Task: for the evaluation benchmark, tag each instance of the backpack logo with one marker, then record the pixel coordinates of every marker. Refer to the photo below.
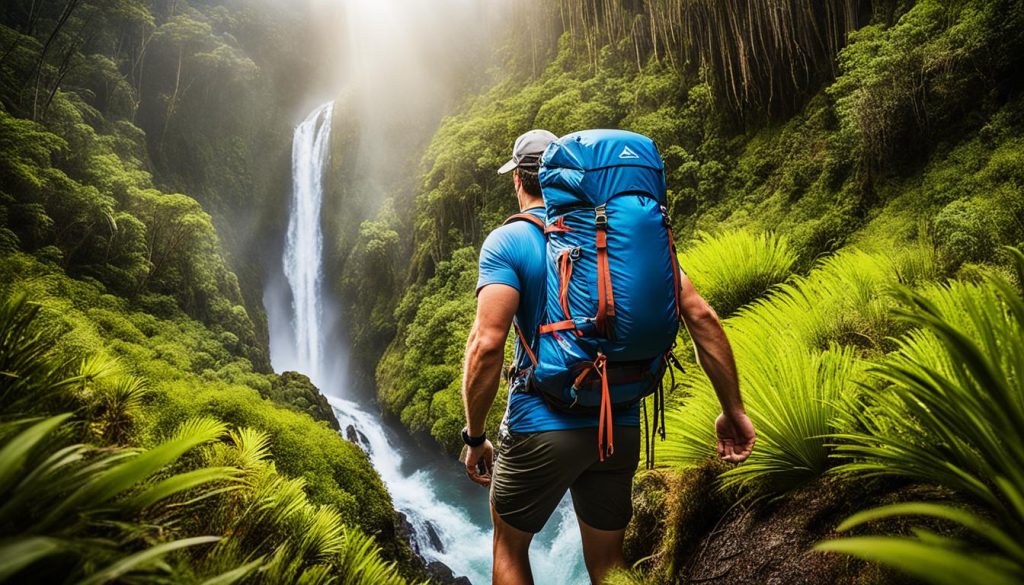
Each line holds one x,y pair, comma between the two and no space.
627,152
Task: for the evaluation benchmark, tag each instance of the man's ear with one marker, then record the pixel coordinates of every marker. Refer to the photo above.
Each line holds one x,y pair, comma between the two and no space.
517,182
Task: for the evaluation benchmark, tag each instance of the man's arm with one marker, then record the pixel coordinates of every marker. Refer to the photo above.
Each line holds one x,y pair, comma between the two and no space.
735,431
485,352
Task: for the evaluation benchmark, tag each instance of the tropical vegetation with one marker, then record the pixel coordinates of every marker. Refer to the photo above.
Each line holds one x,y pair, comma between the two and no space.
846,182
143,436
843,177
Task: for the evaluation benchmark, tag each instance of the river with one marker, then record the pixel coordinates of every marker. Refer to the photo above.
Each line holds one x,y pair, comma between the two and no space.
449,514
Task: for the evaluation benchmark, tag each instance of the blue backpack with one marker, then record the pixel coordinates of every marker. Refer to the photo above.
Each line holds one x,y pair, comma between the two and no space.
613,282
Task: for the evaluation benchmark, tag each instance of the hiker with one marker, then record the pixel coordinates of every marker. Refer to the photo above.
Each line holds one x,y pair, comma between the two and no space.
543,451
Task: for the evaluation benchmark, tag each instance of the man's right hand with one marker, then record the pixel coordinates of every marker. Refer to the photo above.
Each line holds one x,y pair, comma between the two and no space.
480,456
736,436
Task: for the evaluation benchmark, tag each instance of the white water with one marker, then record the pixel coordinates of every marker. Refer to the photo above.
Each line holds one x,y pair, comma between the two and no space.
433,494
303,253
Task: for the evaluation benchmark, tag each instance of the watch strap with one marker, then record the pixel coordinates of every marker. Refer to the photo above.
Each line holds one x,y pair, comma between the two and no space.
473,441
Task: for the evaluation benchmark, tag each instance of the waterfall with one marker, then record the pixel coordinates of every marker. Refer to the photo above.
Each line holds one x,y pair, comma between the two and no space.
303,253
448,514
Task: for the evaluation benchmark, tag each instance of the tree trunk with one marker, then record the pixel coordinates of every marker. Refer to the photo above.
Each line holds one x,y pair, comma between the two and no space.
69,8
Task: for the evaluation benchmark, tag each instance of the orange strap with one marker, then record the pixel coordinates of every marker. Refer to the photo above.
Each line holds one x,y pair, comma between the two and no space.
605,445
564,274
525,217
522,341
605,296
674,261
556,326
558,226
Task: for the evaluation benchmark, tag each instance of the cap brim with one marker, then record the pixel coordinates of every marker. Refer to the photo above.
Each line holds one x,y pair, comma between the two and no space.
507,167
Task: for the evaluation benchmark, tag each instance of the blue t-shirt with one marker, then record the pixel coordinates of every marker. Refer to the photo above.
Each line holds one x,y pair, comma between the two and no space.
514,255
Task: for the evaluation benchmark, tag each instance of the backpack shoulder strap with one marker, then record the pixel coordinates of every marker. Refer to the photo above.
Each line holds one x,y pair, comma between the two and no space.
539,223
525,217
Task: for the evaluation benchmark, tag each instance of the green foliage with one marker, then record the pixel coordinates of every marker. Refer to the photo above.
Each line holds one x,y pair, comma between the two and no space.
947,409
295,391
101,214
795,398
733,269
77,512
60,499
908,83
27,377
797,355
421,380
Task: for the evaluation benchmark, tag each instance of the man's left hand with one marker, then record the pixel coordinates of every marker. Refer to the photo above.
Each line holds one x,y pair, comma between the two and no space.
479,461
736,436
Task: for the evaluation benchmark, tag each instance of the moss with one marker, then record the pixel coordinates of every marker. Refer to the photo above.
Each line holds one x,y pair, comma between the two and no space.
294,390
673,511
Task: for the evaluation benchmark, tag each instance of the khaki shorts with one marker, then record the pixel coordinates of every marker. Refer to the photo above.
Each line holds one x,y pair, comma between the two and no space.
533,470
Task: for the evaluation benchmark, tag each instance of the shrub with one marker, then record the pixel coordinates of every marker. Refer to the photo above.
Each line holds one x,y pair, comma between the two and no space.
83,510
966,231
735,268
793,394
841,301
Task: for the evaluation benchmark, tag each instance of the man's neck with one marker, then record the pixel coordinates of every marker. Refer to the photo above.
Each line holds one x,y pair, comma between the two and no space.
531,203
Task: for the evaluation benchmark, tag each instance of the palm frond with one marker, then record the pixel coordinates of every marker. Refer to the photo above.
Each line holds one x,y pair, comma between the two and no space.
798,353
948,409
114,481
29,374
735,268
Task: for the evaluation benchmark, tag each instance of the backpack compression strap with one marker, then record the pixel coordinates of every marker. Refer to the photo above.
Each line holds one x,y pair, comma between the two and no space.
528,217
605,296
675,274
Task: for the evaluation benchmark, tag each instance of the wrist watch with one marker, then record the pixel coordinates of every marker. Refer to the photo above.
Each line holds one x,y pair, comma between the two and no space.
473,441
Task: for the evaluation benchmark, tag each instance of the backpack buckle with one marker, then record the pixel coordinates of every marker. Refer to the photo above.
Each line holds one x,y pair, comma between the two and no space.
601,216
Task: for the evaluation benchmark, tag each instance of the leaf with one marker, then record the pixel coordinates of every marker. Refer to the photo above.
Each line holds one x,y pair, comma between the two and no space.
114,481
182,482
936,565
22,552
965,518
16,451
229,577
140,559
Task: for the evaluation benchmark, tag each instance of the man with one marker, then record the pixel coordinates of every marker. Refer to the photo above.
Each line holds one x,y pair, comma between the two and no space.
544,452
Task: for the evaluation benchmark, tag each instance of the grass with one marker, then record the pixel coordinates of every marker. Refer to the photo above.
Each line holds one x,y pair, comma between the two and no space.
798,360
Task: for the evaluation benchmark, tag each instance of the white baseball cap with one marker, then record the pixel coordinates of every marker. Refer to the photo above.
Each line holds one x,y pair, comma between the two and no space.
528,149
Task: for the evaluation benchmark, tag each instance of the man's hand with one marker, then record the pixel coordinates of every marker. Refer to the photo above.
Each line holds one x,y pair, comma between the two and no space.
479,461
736,437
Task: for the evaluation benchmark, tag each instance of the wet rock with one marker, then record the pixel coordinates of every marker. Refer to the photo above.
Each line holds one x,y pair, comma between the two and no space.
435,539
442,574
356,436
408,532
439,573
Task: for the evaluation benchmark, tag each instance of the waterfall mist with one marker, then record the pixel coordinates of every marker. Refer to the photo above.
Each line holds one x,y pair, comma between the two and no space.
393,69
